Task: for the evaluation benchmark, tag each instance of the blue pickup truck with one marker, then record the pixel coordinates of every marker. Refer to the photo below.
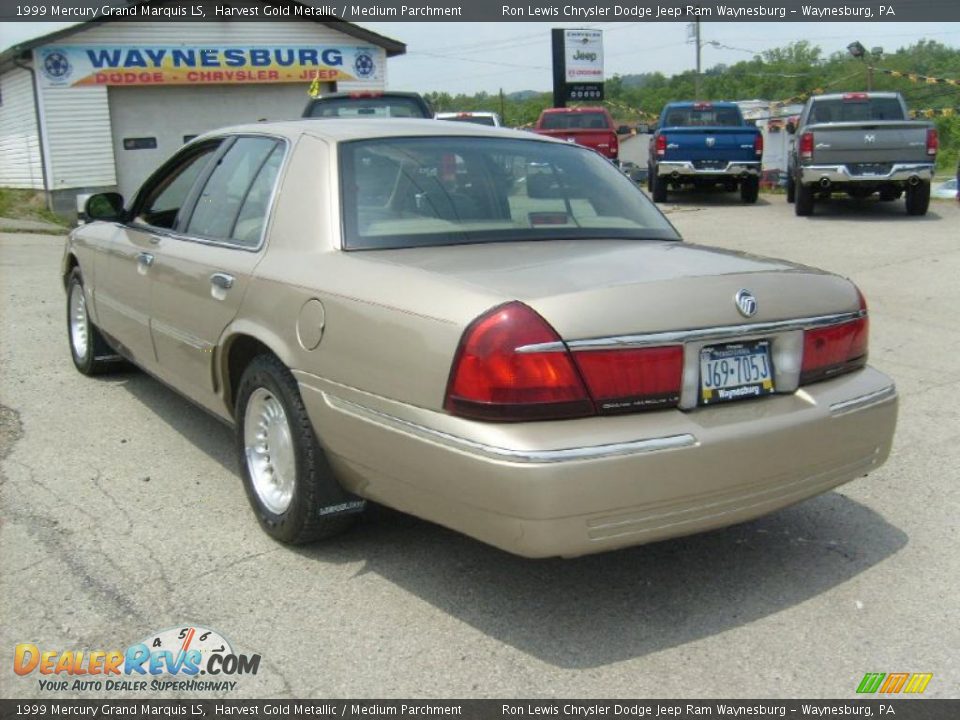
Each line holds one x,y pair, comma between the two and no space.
704,144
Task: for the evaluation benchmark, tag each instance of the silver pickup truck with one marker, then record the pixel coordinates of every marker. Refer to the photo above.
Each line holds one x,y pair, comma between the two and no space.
860,143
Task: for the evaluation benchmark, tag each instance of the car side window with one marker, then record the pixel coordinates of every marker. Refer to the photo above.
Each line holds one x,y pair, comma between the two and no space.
248,227
229,186
161,202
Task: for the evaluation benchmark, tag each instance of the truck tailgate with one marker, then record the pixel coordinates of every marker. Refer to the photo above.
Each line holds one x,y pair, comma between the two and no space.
872,142
601,140
705,146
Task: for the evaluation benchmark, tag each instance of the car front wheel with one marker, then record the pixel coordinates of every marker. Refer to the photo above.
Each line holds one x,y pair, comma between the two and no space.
286,474
90,352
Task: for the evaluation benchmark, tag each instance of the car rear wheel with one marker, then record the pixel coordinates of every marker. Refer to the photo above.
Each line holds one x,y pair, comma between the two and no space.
649,179
90,352
791,189
804,200
659,188
750,189
286,474
918,198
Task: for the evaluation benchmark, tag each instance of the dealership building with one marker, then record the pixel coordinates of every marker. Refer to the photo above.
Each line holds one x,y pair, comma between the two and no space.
99,105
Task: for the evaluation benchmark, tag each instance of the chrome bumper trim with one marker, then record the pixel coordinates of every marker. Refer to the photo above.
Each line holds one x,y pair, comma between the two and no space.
454,442
676,337
864,401
900,172
685,167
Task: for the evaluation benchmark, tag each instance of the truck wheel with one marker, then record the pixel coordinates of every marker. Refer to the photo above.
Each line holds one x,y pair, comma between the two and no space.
649,179
918,198
750,189
659,188
804,200
791,189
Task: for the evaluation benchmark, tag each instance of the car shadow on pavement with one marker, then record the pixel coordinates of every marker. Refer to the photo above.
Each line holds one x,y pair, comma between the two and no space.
600,609
595,610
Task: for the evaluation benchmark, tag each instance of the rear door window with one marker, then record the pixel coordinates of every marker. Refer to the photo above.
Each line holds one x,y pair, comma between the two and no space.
228,190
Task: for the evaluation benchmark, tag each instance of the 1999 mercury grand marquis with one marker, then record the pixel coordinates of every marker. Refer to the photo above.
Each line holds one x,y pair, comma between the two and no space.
488,329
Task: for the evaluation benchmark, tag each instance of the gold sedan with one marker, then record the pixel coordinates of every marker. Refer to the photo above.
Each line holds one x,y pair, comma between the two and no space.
491,330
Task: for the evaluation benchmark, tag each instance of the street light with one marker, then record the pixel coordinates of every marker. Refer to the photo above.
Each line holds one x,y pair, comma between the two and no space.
857,50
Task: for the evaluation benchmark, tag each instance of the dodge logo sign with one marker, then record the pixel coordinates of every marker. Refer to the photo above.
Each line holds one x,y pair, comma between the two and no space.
869,138
711,141
746,303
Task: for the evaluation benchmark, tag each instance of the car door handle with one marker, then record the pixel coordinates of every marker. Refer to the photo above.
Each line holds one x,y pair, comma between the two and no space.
222,280
145,259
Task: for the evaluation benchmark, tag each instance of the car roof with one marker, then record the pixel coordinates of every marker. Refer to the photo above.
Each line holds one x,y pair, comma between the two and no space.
466,113
342,130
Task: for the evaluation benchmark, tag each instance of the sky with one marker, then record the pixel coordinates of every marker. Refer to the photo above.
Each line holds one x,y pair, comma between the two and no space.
473,57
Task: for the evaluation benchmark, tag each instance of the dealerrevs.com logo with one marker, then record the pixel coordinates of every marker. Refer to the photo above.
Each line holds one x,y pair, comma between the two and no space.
185,659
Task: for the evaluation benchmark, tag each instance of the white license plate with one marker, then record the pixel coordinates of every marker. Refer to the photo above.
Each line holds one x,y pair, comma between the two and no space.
735,371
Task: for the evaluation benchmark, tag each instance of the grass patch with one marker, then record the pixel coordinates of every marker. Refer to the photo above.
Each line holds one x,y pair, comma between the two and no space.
28,205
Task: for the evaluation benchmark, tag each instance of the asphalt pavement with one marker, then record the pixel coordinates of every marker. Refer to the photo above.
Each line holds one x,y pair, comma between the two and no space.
122,515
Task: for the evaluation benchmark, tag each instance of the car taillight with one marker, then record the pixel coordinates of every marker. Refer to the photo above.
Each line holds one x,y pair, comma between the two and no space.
632,379
758,145
499,373
661,145
491,380
933,141
806,145
836,349
614,146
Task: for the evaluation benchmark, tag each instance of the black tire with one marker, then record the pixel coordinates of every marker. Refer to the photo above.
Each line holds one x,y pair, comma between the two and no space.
889,194
791,189
659,188
918,198
649,179
750,189
319,507
803,204
96,356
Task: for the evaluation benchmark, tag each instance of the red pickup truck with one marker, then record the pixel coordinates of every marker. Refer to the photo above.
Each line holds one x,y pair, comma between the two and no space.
591,127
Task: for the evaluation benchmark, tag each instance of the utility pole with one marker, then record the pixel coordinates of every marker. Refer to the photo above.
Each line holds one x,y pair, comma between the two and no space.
696,86
503,113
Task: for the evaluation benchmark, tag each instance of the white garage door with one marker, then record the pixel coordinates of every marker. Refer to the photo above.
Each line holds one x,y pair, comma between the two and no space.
150,123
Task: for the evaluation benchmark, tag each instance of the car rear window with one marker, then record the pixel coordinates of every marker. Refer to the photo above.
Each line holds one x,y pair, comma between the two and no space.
703,117
354,107
427,191
474,119
575,121
855,110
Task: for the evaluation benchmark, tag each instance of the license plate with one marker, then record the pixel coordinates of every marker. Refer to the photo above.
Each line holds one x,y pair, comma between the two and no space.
735,371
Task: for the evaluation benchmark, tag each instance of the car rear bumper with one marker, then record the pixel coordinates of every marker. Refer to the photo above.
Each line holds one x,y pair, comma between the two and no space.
685,168
583,486
900,172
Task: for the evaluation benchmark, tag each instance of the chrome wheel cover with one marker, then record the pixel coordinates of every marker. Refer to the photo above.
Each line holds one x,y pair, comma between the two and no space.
79,338
268,446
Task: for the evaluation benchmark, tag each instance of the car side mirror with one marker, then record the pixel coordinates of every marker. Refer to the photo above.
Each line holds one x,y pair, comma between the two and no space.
791,127
104,206
623,130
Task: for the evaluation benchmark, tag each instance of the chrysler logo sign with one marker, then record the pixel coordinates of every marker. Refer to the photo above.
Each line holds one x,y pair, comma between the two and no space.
746,303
